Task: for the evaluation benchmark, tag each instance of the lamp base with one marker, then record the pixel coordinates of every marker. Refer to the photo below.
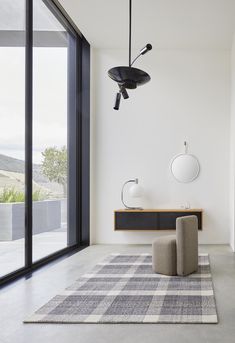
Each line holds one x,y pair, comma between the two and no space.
133,208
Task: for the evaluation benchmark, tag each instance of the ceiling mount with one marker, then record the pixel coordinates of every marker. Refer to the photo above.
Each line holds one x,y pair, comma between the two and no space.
128,77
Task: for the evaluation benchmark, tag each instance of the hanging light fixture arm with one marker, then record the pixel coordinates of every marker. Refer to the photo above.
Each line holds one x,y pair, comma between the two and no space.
143,51
135,59
130,15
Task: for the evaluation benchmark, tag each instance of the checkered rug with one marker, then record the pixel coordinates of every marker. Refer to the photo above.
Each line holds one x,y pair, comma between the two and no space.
124,289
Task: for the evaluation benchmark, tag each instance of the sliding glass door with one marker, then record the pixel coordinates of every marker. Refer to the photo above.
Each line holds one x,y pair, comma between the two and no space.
44,64
12,135
50,127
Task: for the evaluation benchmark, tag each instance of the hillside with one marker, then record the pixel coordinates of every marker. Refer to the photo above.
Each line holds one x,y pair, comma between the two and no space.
15,165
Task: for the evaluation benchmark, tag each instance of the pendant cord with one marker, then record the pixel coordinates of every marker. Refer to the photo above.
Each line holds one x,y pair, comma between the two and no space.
130,10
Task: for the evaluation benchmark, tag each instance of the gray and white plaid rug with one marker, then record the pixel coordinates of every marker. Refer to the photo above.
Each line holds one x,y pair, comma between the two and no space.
124,289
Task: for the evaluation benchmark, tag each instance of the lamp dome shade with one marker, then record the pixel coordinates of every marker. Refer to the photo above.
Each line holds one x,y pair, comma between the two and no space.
136,191
128,77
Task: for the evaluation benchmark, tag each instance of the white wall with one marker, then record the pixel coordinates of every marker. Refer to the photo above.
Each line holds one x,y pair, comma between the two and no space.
188,98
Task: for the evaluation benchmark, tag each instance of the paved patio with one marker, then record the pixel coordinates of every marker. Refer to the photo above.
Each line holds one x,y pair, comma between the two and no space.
12,252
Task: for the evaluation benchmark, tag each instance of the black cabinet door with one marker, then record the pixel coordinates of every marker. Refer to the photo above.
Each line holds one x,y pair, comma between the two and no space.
167,220
135,221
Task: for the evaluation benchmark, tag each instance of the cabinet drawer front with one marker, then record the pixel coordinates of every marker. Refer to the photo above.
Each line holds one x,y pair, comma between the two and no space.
167,220
135,221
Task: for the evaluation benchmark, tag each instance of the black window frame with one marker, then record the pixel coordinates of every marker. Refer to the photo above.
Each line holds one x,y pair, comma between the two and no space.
79,145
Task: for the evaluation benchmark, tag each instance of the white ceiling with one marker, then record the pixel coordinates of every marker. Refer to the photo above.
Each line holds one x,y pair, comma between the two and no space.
177,24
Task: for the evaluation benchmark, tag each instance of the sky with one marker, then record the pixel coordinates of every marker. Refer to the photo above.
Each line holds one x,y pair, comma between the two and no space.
49,100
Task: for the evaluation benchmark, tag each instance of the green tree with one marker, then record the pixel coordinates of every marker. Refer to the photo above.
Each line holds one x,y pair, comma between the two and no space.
54,166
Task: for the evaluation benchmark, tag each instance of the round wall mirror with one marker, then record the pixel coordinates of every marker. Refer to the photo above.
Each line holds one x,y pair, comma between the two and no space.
185,168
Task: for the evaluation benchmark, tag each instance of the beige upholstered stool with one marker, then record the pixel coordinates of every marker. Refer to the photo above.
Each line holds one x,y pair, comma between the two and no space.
164,255
177,255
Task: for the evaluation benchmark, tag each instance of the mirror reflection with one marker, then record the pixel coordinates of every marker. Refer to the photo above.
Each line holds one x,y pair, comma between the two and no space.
185,168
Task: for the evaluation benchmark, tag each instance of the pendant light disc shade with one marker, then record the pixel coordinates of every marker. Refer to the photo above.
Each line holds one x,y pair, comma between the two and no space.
128,77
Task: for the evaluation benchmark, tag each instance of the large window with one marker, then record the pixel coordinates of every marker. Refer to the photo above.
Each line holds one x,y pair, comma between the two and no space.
12,138
50,127
44,135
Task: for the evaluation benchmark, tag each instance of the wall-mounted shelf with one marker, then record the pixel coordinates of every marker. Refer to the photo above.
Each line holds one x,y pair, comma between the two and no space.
152,219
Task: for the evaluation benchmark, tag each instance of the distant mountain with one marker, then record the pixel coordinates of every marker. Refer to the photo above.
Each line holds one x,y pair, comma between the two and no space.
15,165
11,164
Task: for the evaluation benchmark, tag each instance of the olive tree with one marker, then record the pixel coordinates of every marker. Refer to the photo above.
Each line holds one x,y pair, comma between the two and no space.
54,166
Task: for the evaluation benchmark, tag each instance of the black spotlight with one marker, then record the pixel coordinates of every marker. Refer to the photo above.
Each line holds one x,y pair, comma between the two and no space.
124,92
146,49
117,101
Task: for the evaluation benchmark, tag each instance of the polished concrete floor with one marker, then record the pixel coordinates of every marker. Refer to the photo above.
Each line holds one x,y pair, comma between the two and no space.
23,297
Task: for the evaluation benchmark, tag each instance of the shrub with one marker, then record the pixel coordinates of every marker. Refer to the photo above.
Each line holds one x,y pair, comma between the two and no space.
9,195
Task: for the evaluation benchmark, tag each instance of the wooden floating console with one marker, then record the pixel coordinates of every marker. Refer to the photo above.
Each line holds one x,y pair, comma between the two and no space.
152,219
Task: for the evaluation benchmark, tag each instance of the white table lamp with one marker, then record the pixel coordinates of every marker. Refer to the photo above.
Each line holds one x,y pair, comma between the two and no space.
136,191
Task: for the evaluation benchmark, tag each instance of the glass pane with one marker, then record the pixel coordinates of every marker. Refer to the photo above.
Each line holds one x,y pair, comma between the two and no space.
12,135
50,51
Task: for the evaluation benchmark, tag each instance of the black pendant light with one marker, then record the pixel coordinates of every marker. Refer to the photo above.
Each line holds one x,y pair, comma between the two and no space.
128,77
